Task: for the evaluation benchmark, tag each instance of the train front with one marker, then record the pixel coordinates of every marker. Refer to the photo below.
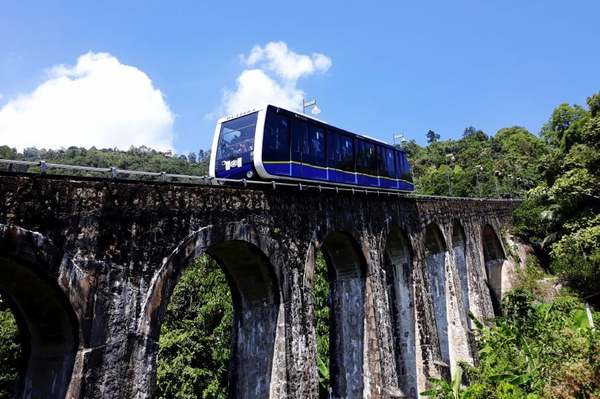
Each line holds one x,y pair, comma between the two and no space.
233,148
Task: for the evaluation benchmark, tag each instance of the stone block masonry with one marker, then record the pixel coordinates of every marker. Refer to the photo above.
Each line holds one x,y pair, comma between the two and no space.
89,266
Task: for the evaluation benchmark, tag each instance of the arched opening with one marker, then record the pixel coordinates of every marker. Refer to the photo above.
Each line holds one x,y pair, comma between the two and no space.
346,276
47,327
235,277
399,268
458,252
435,263
493,256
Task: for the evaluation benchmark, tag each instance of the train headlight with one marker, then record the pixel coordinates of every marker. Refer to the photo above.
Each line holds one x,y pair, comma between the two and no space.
249,174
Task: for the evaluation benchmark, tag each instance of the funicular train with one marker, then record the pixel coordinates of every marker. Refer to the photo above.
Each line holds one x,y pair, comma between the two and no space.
276,144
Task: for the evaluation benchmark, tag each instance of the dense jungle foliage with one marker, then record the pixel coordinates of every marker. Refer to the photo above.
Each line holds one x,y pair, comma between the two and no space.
478,165
535,350
321,300
136,158
195,337
561,214
10,349
540,347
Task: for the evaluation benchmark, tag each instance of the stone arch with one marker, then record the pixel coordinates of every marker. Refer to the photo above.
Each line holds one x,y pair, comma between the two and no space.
255,294
347,270
435,264
493,256
399,275
459,249
29,270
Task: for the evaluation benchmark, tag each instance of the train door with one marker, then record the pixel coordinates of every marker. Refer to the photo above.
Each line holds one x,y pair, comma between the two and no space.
276,144
297,139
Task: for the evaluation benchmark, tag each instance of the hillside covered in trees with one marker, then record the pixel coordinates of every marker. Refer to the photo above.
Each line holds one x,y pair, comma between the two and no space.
541,347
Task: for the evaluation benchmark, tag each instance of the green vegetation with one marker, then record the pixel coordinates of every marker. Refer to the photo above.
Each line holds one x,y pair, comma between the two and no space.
10,350
560,216
477,165
136,158
195,337
535,350
321,303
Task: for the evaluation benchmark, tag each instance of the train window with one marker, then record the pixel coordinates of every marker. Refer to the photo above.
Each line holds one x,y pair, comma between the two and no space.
386,162
333,149
403,167
236,138
298,133
366,159
346,149
380,160
313,146
276,142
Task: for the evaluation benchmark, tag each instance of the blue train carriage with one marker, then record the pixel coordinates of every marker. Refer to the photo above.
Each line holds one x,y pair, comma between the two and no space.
276,144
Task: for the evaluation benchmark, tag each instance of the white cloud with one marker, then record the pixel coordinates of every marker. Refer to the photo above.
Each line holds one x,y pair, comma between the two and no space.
278,58
273,77
255,88
98,102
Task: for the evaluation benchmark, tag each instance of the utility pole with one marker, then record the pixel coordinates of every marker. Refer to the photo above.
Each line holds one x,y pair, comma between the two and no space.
496,174
478,168
451,158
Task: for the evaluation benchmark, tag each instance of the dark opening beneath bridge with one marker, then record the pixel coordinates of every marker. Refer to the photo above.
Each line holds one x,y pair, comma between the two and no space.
255,298
435,262
493,255
48,327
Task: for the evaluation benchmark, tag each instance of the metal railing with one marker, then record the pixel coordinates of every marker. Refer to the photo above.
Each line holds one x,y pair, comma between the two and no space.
114,173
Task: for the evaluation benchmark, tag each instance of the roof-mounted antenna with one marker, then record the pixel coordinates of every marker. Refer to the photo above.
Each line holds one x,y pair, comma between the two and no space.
401,139
310,104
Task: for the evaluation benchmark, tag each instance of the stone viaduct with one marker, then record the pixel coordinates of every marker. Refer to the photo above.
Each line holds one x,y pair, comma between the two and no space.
89,266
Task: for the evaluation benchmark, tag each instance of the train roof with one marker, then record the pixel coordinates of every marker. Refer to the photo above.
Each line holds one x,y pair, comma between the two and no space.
240,114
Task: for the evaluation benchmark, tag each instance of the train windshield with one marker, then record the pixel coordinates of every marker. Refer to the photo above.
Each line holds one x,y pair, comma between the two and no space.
236,139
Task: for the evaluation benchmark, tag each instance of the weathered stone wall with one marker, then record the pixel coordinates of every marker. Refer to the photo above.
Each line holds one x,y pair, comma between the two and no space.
108,254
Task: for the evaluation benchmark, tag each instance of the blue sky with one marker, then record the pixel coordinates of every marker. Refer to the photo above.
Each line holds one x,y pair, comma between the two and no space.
394,66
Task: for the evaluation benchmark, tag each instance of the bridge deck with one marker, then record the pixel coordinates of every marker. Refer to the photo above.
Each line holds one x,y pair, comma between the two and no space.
42,168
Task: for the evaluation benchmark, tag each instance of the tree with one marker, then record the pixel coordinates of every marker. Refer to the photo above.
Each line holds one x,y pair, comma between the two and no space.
135,158
195,337
321,320
10,350
432,136
514,151
565,126
535,350
560,216
473,133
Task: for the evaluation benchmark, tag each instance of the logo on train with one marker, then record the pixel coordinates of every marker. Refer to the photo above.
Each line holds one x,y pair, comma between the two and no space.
233,163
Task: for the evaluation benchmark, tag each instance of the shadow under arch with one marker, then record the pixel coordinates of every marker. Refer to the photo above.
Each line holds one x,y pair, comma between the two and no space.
435,263
459,249
28,272
398,263
493,256
255,296
347,271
